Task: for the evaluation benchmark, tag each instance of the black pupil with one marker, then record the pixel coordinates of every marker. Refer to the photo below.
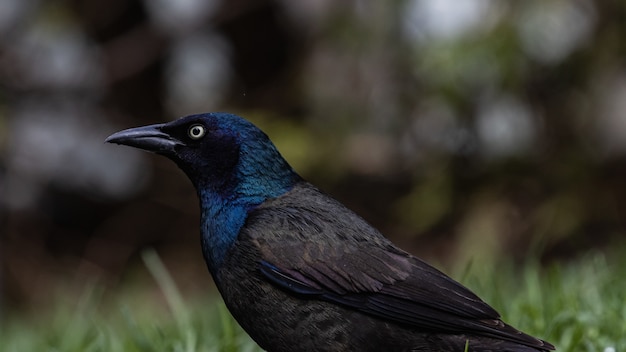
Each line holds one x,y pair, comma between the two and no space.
196,131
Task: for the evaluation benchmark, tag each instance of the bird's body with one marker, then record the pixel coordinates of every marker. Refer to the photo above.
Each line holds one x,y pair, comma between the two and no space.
301,272
314,262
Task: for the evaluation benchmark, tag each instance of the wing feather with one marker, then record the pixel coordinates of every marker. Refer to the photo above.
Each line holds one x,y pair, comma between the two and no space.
324,251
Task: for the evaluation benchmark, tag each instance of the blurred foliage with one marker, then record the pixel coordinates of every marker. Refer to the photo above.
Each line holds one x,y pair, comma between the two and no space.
578,306
479,130
130,320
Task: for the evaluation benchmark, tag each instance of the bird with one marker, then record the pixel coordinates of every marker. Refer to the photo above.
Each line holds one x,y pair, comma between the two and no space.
297,269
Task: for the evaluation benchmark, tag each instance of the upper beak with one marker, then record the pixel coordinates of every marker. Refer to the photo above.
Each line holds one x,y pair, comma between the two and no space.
150,138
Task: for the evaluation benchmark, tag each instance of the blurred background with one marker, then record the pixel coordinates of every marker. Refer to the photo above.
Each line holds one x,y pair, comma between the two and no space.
473,130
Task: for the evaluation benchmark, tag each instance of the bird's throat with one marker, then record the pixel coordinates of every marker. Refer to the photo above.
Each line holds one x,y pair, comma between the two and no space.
220,224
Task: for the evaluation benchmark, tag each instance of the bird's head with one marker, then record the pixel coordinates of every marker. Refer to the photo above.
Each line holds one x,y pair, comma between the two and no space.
223,155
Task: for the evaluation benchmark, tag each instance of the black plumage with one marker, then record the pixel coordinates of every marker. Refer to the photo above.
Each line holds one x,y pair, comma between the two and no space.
301,272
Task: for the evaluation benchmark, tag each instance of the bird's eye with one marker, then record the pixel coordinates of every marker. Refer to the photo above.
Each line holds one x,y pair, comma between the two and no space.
196,131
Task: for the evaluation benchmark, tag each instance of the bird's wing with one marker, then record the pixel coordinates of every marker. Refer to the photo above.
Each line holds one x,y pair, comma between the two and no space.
383,282
327,252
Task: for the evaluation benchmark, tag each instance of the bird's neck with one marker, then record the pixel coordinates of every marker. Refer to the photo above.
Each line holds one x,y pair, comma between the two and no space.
220,223
223,214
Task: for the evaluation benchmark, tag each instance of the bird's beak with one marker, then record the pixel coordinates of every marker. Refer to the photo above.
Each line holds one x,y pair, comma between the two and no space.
150,138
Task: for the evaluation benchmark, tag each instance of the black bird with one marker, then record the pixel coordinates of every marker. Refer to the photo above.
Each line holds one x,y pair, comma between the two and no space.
301,272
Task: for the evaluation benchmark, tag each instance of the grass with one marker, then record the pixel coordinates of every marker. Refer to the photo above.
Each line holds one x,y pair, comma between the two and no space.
578,306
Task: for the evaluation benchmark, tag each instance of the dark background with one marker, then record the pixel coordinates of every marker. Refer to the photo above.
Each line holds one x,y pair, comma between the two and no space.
473,130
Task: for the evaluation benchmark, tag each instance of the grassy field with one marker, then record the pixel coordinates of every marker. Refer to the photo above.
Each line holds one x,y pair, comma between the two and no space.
578,306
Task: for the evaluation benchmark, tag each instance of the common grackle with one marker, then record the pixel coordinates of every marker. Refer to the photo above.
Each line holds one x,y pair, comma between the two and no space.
301,272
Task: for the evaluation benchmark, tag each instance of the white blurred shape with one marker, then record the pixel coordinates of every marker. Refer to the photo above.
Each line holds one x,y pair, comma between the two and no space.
198,74
611,122
65,145
505,127
59,58
12,12
551,30
436,127
180,16
444,19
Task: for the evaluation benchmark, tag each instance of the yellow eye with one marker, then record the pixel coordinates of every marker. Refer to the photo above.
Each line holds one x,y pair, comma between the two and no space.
196,131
